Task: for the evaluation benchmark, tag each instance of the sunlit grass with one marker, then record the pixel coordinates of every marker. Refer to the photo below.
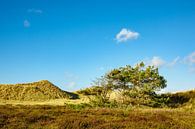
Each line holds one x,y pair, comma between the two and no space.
60,117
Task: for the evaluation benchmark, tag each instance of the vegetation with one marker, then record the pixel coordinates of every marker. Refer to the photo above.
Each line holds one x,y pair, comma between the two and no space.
62,117
85,115
138,78
135,102
37,91
136,85
180,99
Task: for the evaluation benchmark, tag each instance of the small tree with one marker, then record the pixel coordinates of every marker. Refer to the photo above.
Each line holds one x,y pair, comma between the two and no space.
139,78
102,90
139,84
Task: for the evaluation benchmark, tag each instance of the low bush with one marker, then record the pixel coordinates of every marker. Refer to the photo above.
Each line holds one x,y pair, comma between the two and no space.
78,106
62,117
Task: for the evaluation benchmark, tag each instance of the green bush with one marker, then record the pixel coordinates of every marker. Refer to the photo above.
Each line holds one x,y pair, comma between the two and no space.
78,106
94,90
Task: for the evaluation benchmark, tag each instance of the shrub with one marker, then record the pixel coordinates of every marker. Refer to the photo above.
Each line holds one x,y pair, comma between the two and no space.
78,106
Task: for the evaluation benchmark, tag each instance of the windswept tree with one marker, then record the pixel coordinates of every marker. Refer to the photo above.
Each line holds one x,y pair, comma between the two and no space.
139,78
137,85
102,89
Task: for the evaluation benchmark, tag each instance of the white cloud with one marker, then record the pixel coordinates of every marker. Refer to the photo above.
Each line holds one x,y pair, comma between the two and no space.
38,11
174,62
71,84
159,62
70,76
190,59
26,23
126,34
156,62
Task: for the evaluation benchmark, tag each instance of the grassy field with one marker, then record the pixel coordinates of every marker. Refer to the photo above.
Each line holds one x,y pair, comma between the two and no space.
53,102
42,105
62,117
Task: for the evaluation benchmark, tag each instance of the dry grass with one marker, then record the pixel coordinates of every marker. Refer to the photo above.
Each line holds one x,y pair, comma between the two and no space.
52,102
43,105
59,112
60,117
37,91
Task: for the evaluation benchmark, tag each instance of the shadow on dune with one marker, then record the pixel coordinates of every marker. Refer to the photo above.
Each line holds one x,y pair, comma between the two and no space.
72,95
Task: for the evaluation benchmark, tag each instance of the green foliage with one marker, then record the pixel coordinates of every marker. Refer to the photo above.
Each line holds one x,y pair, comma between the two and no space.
138,78
101,92
136,84
94,90
86,91
98,95
179,99
78,106
97,101
134,97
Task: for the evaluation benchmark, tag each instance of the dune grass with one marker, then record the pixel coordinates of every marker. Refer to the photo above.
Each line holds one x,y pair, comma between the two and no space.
37,91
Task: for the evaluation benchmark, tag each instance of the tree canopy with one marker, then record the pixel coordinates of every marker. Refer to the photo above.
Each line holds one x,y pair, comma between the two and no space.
138,78
136,85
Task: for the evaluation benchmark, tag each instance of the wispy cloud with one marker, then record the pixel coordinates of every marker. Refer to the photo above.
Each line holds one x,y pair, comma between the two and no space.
70,76
71,85
174,62
71,80
26,23
156,62
33,10
190,59
126,34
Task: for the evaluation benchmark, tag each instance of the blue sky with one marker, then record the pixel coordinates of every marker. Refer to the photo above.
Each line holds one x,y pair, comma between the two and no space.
71,42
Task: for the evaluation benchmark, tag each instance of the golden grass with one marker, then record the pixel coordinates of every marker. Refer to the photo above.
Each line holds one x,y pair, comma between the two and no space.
54,102
62,117
37,91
